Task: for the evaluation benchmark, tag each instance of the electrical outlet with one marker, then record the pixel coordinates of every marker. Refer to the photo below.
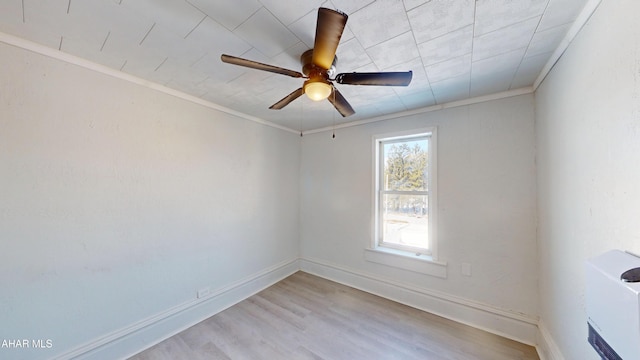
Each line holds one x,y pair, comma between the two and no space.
465,269
203,292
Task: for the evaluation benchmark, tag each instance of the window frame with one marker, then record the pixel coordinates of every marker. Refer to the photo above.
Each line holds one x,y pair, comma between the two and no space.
378,174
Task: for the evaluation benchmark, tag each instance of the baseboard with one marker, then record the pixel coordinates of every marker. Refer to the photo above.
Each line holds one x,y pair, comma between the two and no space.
547,348
515,326
128,341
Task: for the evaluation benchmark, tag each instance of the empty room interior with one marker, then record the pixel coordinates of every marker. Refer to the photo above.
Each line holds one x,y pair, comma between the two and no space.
146,185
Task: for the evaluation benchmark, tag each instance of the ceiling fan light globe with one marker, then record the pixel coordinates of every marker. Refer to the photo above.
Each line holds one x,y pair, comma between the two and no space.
317,90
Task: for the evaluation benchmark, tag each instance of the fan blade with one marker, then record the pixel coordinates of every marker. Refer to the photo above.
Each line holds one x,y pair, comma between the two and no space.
380,78
340,103
329,30
287,99
260,66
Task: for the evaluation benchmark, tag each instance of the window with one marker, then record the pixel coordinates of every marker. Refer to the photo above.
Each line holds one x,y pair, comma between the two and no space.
405,192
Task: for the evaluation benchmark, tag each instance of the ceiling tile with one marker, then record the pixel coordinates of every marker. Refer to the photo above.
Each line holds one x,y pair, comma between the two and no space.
504,40
166,71
451,89
439,17
266,33
351,55
111,38
418,93
216,39
249,102
388,105
95,38
83,36
374,92
78,47
116,52
229,15
172,45
547,41
350,6
82,17
142,62
560,12
452,68
12,12
121,47
419,81
411,4
495,74
179,17
184,79
347,34
489,84
211,65
38,11
394,51
448,46
34,34
423,98
305,28
38,23
508,61
372,28
492,15
255,55
370,67
529,70
259,86
290,58
289,12
368,98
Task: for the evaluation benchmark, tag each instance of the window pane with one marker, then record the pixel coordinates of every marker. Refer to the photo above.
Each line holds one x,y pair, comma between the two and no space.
405,220
405,165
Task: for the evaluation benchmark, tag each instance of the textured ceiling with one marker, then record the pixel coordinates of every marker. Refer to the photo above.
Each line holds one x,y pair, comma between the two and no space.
457,49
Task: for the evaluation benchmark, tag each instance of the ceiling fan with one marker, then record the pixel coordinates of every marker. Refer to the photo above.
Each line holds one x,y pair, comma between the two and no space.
318,67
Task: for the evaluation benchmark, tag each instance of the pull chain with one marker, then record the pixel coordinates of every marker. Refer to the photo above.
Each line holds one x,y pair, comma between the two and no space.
301,116
334,113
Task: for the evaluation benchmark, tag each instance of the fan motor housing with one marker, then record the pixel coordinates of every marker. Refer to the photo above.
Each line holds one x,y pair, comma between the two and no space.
311,70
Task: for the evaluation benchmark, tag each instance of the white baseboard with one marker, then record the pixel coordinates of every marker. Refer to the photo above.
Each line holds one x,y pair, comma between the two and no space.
515,326
547,348
128,341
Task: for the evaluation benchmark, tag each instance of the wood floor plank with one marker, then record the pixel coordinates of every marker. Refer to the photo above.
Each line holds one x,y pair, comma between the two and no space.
309,318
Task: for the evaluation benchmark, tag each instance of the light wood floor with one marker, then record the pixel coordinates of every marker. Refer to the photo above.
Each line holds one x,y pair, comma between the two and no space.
307,317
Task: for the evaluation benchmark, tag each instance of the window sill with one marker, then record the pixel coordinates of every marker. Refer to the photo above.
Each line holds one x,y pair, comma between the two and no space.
422,264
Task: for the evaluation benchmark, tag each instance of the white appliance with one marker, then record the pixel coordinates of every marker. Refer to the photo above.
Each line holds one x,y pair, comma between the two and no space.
612,299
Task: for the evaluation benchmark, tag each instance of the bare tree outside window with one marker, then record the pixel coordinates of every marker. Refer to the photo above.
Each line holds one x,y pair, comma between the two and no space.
404,193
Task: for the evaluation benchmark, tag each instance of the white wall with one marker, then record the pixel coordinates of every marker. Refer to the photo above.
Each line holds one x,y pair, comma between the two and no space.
588,140
486,205
118,202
